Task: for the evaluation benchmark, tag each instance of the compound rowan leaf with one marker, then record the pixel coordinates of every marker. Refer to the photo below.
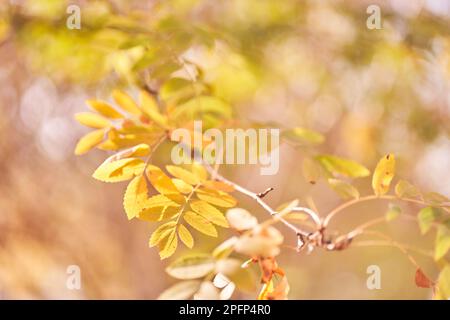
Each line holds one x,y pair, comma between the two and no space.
92,120
161,232
344,189
404,189
200,223
126,102
427,216
181,291
185,236
209,212
104,109
89,141
183,174
337,165
135,196
442,243
383,174
120,170
191,267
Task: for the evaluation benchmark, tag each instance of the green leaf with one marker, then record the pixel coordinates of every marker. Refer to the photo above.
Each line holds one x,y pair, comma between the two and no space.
426,218
404,189
191,267
393,212
442,243
337,165
444,283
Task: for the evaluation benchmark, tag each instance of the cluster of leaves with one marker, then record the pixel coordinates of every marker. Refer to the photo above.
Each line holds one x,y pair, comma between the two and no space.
217,275
187,195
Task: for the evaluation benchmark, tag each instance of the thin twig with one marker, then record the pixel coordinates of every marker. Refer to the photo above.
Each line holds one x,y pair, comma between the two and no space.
258,199
347,204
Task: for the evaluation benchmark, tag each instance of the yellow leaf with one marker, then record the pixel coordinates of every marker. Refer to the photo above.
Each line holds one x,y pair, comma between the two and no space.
150,108
159,201
104,109
265,290
89,141
444,283
383,174
218,185
161,232
199,171
140,150
183,174
168,245
120,170
218,198
126,102
160,181
200,223
153,214
135,196
185,236
182,186
92,120
209,212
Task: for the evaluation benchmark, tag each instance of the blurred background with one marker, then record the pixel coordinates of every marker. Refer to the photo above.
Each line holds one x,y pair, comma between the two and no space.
298,63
